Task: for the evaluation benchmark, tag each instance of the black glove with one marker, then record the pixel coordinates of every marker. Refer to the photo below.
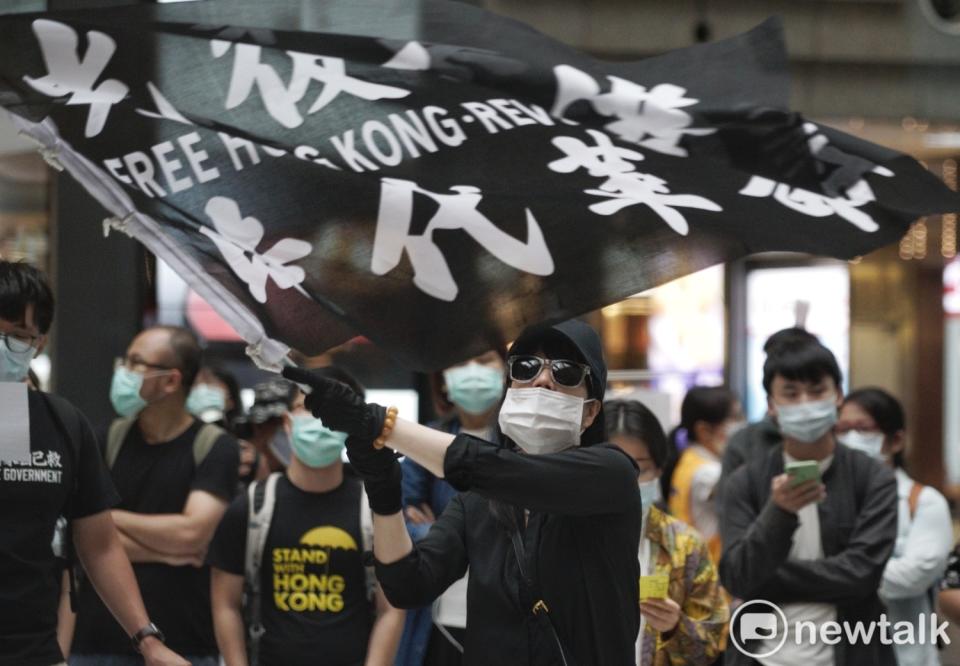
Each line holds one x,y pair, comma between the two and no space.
341,409
339,406
381,475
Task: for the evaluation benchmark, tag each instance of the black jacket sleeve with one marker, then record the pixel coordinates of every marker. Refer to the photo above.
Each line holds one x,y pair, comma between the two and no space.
436,562
600,479
856,571
755,543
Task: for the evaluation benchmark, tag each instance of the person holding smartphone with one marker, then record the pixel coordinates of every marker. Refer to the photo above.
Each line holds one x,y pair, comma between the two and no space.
809,525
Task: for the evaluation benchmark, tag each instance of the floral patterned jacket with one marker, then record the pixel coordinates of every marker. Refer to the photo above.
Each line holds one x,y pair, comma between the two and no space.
700,636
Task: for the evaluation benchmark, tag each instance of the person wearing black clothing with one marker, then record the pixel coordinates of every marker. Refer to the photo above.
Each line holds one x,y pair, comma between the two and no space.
61,474
817,547
171,501
548,522
316,604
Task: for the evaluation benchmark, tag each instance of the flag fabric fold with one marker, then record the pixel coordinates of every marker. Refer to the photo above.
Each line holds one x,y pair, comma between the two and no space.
430,175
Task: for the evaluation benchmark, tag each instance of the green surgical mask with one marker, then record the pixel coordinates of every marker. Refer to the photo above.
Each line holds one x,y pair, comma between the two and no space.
206,402
474,388
125,392
314,444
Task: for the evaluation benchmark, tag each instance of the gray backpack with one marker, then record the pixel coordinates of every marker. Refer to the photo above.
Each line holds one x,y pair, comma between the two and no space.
206,437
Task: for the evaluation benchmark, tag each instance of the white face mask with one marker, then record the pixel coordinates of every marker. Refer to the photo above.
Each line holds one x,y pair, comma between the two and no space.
807,421
870,443
540,420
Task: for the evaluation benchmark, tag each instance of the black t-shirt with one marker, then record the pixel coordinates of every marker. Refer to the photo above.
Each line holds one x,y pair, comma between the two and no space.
32,497
313,605
157,479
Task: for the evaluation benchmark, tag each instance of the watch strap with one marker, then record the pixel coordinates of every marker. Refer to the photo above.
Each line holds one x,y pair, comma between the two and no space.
147,631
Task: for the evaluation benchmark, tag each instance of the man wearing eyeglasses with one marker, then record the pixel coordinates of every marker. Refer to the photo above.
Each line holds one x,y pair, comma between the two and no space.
548,520
175,477
50,466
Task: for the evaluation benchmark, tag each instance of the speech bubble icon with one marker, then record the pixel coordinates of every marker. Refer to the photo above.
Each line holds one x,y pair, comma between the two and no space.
758,626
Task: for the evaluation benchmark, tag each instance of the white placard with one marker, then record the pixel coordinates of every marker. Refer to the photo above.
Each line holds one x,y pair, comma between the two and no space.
14,423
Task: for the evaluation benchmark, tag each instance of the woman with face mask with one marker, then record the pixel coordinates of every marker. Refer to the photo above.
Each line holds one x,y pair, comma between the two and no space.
215,396
871,421
708,417
547,518
467,399
688,624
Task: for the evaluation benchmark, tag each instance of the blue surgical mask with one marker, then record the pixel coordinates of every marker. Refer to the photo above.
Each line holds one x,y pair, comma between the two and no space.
649,495
474,388
125,392
314,444
206,402
14,365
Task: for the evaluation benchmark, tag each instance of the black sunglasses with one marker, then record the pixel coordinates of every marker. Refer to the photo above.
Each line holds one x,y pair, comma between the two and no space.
566,373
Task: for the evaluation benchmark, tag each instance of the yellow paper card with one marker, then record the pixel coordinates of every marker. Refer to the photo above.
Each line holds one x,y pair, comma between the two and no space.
655,586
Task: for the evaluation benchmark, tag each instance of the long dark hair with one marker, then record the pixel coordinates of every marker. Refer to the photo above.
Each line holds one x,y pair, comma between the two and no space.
634,419
885,410
710,404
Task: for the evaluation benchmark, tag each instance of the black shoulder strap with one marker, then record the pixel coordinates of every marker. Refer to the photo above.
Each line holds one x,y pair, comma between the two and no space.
531,589
57,413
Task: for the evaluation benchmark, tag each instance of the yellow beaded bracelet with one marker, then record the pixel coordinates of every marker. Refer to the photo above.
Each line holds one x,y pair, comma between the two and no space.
388,424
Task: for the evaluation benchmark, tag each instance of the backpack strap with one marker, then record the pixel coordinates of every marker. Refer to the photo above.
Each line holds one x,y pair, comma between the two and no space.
914,498
59,414
262,497
116,435
206,437
366,533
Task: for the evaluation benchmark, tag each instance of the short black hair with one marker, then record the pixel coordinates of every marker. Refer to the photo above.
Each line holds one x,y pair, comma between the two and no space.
20,285
799,360
711,404
787,336
885,410
187,354
633,418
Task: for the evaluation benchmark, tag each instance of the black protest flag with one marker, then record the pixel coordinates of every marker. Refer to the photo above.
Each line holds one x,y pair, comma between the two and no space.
430,175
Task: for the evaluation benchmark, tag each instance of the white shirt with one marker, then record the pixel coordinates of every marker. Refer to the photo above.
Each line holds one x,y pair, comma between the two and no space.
703,509
918,560
807,545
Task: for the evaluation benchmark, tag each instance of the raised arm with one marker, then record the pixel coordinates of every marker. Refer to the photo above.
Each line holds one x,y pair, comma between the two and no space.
605,477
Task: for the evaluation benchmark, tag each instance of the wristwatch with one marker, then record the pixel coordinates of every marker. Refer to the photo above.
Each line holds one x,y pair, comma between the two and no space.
149,630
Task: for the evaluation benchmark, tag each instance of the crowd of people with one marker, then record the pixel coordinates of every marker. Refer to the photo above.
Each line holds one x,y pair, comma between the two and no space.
535,521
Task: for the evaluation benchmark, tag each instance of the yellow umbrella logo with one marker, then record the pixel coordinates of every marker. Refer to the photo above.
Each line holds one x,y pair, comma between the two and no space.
329,537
